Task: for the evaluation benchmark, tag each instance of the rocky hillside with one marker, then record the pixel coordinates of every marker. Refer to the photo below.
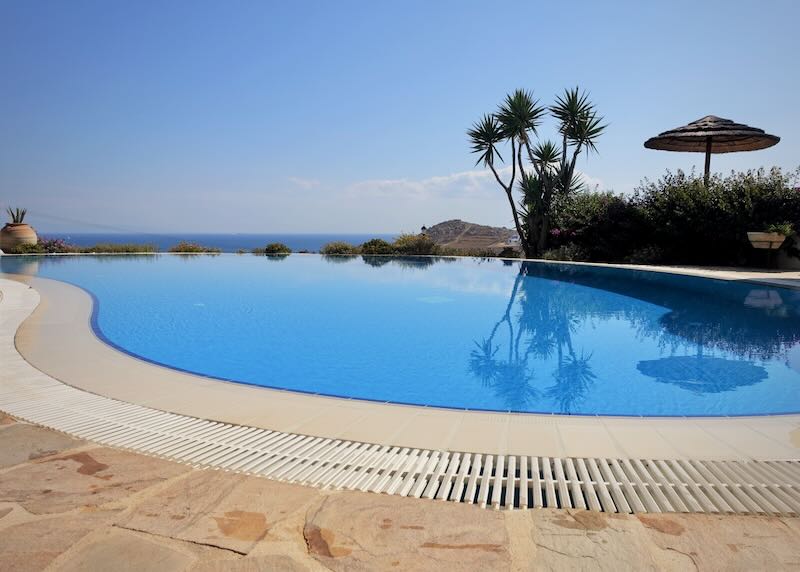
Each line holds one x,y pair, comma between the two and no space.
464,235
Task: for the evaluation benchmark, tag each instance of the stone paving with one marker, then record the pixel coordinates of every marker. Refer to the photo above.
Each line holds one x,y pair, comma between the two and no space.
71,505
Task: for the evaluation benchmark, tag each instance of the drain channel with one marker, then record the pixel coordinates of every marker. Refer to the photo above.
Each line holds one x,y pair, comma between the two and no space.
496,481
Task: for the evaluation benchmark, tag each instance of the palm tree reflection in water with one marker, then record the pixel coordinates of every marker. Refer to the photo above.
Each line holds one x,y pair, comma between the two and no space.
739,326
543,327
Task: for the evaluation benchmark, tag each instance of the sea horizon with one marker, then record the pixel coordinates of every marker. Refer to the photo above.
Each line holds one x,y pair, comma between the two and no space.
228,242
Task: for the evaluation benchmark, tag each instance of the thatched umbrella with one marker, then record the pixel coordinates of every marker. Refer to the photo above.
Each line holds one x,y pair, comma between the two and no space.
712,134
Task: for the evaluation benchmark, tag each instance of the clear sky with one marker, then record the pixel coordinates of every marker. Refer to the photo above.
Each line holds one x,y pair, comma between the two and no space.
342,116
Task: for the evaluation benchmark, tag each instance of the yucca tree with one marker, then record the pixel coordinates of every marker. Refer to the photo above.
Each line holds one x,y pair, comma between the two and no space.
543,171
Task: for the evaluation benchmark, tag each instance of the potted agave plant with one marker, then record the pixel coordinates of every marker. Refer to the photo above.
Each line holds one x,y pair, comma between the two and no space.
772,238
16,232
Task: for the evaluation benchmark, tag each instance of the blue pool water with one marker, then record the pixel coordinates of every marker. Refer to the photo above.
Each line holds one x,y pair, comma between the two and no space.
461,333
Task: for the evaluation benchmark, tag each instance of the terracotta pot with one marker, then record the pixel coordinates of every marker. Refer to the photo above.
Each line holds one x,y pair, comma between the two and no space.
14,234
766,240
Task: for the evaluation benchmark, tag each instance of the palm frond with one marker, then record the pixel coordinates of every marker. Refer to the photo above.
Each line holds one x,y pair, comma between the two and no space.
520,113
578,119
530,185
548,155
485,135
586,131
572,104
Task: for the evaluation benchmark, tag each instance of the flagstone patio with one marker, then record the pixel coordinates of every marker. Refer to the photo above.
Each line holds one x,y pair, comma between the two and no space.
70,505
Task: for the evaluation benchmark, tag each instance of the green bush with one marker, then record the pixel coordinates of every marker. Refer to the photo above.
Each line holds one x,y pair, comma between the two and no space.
679,220
784,228
695,224
274,248
645,255
570,252
185,247
415,244
37,248
111,248
60,246
377,246
338,247
604,226
46,246
508,252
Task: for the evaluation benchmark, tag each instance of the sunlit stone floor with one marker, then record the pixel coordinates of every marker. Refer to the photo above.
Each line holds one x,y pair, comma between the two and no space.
71,505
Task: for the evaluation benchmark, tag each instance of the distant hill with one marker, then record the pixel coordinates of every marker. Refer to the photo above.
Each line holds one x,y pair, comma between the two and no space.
464,235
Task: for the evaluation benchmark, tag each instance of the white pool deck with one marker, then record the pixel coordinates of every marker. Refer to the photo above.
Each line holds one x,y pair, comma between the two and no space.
47,323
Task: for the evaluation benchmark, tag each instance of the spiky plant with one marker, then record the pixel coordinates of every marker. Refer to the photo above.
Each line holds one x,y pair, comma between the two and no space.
544,171
17,215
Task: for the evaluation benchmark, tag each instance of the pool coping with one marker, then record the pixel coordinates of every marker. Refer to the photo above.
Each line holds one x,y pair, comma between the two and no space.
58,329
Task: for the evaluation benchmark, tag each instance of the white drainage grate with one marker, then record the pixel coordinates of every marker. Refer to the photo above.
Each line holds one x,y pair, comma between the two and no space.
498,481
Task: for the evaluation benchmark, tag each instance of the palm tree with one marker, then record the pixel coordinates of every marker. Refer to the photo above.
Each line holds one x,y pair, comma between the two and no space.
543,170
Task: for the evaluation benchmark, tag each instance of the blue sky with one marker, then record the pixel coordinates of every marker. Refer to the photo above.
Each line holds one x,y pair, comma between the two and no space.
351,116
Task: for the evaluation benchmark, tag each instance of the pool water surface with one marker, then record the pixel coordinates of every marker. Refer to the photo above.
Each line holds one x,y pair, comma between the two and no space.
446,332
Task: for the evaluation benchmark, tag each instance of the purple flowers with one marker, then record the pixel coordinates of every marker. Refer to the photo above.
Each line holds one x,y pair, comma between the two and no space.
54,245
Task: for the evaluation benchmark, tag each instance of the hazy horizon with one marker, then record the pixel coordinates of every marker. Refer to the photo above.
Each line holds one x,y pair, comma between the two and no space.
204,117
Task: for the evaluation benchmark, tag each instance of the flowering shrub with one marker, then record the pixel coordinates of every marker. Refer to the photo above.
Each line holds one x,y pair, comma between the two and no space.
45,246
60,246
56,245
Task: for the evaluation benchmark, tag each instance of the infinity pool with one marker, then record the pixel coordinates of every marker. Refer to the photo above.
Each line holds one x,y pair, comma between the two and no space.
458,333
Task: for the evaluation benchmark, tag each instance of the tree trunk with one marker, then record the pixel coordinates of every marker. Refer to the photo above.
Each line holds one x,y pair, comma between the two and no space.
543,233
530,244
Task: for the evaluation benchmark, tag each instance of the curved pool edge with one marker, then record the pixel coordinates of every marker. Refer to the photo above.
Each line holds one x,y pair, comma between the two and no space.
695,276
59,329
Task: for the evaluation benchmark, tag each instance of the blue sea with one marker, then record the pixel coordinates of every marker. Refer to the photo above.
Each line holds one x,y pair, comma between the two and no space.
227,242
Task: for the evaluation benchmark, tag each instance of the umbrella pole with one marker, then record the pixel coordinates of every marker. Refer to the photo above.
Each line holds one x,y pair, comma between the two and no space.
708,160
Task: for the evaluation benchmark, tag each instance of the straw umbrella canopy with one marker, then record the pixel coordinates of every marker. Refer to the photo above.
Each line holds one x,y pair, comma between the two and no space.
712,134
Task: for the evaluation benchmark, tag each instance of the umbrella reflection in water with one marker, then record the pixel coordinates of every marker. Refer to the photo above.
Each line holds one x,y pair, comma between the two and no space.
703,374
